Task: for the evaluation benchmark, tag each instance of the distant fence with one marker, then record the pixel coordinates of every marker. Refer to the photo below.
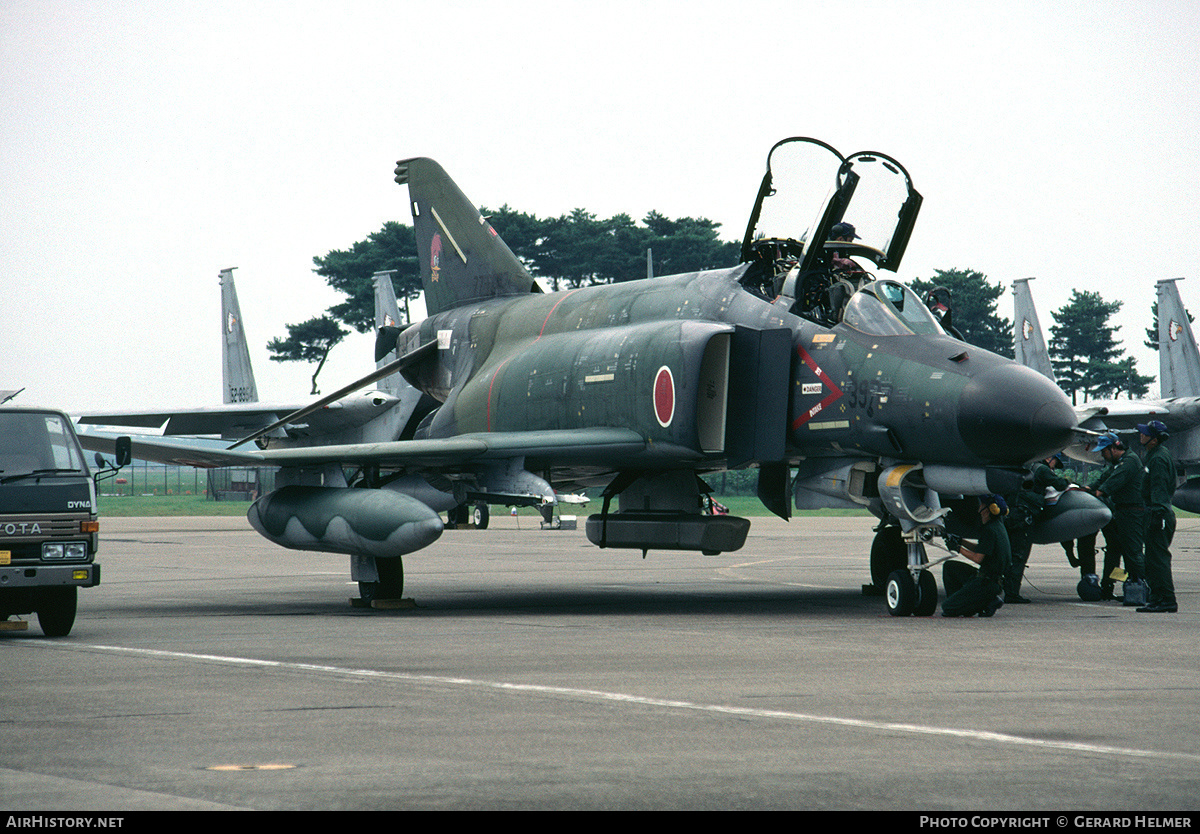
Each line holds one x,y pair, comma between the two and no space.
233,484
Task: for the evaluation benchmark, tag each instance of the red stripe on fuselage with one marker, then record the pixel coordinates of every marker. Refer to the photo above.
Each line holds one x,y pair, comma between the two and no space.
825,379
492,383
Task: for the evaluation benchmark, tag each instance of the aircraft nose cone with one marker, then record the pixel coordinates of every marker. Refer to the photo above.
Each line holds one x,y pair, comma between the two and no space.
1011,414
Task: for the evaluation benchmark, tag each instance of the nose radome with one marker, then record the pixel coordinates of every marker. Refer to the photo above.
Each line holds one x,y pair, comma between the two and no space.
1011,414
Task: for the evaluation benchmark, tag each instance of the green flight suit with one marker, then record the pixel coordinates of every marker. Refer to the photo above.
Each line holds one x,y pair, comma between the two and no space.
982,586
1087,544
1157,491
1122,488
1023,508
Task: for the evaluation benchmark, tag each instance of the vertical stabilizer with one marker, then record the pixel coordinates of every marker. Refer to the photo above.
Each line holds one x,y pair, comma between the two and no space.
387,308
1028,343
1178,359
387,315
462,257
388,322
237,375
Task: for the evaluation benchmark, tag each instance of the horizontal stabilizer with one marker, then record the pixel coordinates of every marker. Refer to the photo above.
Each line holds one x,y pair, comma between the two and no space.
387,370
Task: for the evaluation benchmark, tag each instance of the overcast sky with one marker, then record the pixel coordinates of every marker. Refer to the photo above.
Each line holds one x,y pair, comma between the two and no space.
146,146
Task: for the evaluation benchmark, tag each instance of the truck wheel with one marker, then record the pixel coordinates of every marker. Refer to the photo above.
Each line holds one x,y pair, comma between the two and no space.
56,610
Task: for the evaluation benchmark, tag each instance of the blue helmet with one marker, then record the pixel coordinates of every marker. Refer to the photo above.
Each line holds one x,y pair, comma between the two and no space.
1155,429
1109,438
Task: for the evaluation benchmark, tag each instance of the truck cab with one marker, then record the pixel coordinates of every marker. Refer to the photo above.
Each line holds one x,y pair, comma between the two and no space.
49,527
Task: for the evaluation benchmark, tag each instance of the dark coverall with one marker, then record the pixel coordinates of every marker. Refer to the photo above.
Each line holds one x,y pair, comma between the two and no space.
983,586
1023,507
1087,544
1157,490
1122,490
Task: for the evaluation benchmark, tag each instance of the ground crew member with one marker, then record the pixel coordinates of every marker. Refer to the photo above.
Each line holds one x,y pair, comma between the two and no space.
1121,489
1023,509
1086,545
981,592
1157,491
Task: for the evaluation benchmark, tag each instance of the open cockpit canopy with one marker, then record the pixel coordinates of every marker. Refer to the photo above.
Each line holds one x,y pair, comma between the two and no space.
808,193
809,187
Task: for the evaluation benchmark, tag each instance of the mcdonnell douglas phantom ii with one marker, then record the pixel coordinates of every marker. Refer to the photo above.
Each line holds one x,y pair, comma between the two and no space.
797,359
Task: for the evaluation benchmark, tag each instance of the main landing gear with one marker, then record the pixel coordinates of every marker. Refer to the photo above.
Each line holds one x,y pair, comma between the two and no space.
468,514
386,589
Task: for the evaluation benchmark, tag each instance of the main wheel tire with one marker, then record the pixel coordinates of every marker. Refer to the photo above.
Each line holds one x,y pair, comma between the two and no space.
56,610
390,584
927,595
479,515
901,593
458,517
888,553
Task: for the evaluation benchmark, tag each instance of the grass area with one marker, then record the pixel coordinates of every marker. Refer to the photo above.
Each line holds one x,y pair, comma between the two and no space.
124,506
115,506
121,506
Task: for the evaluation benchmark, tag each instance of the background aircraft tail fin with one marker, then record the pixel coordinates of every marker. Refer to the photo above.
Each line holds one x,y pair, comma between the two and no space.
237,375
1028,343
462,258
1178,359
387,320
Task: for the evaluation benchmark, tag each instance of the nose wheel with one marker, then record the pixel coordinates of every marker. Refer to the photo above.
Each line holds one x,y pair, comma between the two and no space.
906,596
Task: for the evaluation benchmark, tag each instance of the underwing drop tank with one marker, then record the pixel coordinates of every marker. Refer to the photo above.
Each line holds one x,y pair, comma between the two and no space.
361,522
1075,513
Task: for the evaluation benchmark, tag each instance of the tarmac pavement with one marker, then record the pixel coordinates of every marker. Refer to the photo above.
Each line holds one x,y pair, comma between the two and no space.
214,670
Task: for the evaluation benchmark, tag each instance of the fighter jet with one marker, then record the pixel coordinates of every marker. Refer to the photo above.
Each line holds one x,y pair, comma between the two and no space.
1179,384
798,357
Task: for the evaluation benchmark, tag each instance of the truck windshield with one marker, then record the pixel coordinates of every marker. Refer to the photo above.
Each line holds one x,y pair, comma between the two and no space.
37,441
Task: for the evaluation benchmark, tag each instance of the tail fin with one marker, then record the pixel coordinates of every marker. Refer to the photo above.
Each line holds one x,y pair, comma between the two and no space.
413,404
387,326
387,308
1178,359
1028,342
462,257
237,374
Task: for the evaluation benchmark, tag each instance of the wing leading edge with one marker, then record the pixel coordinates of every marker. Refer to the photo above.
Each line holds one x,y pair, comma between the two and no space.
599,446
